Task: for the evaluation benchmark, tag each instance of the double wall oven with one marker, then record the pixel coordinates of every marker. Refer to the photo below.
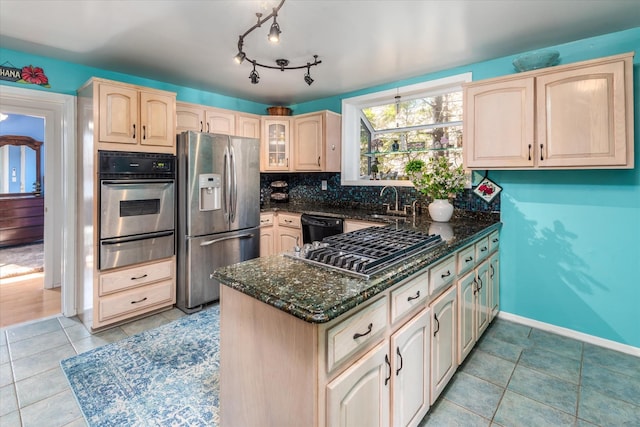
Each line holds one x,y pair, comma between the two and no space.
137,208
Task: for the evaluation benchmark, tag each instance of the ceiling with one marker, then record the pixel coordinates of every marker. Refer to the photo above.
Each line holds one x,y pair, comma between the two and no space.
361,43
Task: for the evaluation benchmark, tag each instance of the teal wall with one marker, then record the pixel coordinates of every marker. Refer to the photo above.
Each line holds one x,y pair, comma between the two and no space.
571,239
570,244
66,77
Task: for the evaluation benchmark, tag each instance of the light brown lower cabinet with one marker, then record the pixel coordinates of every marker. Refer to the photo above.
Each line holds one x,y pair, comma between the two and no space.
383,363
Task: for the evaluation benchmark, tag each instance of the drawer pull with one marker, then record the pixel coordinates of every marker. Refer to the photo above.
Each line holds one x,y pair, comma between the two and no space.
416,297
484,248
358,335
139,277
288,221
435,316
494,240
401,361
140,300
468,259
447,274
386,360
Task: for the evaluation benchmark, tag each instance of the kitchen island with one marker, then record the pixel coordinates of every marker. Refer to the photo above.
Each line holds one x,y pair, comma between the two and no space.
302,345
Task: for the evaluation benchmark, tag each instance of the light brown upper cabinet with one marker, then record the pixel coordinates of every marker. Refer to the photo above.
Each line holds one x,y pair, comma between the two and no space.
200,118
134,115
304,143
316,142
575,116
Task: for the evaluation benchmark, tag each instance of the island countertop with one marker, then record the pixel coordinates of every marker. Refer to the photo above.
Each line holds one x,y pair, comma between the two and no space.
317,295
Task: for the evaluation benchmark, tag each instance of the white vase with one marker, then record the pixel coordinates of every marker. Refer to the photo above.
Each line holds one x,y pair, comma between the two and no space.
440,210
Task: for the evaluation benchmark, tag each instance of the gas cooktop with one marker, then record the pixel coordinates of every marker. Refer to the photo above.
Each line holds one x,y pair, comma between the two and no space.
363,253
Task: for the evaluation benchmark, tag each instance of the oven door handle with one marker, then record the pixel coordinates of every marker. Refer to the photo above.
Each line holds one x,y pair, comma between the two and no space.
133,181
222,239
147,236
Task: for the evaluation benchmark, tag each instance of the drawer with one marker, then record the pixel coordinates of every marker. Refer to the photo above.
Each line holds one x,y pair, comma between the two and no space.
355,332
441,275
132,277
482,249
412,293
136,300
466,259
289,220
266,219
494,240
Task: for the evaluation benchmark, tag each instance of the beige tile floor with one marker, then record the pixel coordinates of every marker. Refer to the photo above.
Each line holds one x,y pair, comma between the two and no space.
515,376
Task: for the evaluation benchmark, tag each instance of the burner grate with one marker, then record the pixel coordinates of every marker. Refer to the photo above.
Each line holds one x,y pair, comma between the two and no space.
367,251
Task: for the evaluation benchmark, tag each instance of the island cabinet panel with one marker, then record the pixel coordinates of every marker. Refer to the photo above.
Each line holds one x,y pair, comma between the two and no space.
350,335
444,341
410,385
268,365
360,395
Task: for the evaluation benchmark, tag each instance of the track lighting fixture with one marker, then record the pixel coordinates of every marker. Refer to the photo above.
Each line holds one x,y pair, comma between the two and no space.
254,76
274,36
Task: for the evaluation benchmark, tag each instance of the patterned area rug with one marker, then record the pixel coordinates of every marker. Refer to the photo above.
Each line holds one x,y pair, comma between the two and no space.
167,376
19,260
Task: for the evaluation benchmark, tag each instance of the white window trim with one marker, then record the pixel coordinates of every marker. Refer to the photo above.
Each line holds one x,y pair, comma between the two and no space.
351,108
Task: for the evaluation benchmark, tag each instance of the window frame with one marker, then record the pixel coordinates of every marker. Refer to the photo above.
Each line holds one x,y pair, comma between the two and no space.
352,115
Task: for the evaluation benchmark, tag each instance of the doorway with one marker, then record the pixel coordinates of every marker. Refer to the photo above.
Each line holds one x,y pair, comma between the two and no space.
58,114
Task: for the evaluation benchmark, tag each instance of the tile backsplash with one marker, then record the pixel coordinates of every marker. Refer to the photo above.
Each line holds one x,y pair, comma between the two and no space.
306,187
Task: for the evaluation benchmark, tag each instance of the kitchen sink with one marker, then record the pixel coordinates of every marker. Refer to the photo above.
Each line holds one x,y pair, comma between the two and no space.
388,218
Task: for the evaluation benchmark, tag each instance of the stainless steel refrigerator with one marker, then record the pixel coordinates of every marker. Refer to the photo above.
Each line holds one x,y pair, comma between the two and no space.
218,199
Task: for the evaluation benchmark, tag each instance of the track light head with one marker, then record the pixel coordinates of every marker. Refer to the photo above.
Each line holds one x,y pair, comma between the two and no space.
274,32
254,76
307,78
239,58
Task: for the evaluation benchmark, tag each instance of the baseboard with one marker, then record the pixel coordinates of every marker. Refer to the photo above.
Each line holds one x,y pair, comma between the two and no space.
570,333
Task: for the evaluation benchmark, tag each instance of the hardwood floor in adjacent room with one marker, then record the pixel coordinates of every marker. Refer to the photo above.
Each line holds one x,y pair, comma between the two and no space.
23,298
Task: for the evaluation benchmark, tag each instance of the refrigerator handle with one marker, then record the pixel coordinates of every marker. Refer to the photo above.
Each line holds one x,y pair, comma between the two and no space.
227,183
222,239
234,187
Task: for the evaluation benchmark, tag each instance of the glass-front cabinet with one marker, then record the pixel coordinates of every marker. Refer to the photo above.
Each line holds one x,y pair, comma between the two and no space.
276,155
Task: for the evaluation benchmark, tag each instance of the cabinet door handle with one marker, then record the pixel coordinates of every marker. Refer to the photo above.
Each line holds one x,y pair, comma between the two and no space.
139,277
144,132
134,131
358,335
492,271
318,160
435,316
287,162
386,360
479,282
447,274
207,127
475,288
541,156
529,151
401,361
201,126
416,297
140,300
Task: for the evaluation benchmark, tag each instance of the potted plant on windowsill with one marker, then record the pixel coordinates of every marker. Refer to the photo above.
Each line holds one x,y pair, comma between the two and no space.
439,180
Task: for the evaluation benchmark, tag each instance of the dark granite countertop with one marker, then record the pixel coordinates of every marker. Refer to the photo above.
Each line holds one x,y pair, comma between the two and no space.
316,294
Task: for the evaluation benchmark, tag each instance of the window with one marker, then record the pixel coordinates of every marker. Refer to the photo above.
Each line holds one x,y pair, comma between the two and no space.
382,131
